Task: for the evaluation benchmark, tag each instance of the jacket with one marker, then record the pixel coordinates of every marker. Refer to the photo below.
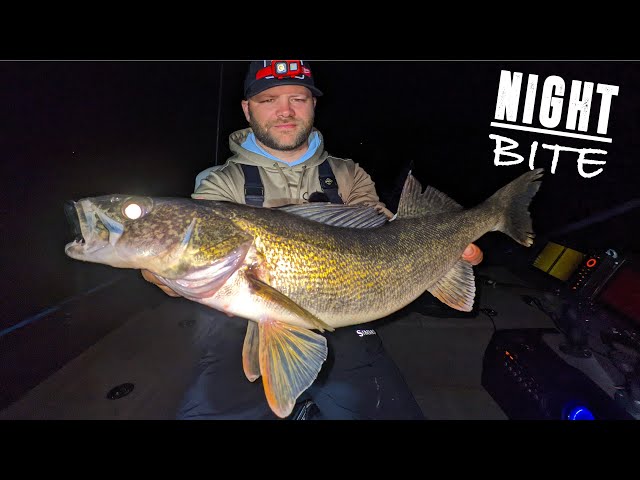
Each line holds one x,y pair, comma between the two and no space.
284,184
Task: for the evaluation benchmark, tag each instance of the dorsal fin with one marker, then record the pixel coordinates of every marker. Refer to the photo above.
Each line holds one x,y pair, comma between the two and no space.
414,203
351,216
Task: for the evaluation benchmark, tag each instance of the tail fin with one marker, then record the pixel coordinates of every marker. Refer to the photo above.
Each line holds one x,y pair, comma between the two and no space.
513,201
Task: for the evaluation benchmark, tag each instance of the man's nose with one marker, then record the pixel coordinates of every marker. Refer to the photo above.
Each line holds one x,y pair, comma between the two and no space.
284,109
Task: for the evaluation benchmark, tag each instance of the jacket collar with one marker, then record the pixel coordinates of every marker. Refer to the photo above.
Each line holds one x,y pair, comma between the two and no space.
242,155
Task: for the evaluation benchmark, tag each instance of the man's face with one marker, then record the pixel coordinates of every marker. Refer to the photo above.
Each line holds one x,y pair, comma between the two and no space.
281,117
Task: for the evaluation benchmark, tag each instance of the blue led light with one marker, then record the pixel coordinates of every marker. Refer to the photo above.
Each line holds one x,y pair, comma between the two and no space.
580,413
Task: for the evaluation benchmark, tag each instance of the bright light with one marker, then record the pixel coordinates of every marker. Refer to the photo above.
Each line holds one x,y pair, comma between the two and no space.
580,413
133,211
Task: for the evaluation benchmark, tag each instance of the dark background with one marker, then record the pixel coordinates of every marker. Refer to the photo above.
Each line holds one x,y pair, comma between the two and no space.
71,129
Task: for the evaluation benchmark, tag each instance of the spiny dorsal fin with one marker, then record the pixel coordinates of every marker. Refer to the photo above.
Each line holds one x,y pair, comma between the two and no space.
457,288
351,216
290,359
251,351
413,203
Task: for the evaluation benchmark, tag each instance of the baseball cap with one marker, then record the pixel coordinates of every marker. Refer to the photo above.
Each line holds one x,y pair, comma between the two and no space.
265,74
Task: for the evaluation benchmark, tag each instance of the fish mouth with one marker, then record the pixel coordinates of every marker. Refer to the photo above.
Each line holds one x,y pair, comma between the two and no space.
94,233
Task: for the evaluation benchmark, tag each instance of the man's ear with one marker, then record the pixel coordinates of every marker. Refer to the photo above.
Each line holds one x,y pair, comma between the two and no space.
245,108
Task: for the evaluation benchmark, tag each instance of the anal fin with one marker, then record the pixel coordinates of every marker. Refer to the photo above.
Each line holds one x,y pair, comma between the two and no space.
290,359
457,288
251,352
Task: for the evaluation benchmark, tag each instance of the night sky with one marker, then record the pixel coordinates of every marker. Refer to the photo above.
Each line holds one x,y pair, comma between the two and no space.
75,129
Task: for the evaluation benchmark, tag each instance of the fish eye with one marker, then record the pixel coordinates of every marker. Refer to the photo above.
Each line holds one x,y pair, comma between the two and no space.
132,208
132,211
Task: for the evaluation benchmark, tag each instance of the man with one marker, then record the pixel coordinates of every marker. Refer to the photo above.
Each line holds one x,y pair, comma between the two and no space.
281,160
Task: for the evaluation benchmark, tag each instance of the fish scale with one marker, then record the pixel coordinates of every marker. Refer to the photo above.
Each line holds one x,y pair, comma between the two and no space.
296,269
348,276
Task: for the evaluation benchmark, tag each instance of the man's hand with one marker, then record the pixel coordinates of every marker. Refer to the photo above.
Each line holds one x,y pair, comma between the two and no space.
150,277
380,209
472,254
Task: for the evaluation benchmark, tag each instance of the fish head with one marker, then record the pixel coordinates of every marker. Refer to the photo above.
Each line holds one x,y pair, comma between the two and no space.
172,237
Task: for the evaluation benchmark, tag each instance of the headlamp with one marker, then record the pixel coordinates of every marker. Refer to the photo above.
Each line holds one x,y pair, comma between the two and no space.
283,68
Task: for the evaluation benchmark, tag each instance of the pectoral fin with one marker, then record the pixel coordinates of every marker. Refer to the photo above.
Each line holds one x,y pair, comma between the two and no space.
278,301
457,288
251,352
290,359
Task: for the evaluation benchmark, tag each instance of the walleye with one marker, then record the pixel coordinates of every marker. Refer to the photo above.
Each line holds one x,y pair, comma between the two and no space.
295,269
